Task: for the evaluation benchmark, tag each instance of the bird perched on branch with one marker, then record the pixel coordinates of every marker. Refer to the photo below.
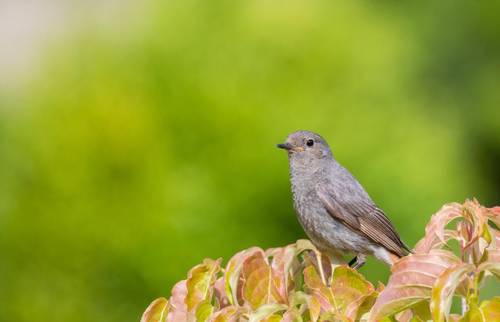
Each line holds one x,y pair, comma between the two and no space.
334,209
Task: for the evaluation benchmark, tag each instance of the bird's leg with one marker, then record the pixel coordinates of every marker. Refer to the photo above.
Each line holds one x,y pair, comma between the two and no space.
353,261
358,261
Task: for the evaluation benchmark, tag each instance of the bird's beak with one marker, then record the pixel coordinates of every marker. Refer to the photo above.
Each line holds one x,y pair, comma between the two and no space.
289,147
286,146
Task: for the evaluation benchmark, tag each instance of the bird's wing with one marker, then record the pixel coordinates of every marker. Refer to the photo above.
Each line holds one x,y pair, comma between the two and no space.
365,217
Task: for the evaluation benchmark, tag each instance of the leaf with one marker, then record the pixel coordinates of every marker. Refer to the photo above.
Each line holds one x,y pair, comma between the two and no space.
474,314
200,281
220,292
232,273
178,309
491,309
291,315
318,290
260,282
411,282
434,242
444,288
421,311
203,311
265,311
282,259
435,229
495,238
367,304
273,318
227,314
156,311
492,264
477,217
350,289
494,215
304,244
305,302
343,298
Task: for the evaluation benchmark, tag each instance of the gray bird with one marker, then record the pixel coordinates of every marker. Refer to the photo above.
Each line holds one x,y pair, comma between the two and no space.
335,211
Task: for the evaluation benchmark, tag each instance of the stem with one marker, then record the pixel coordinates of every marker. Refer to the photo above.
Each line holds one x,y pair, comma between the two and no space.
464,305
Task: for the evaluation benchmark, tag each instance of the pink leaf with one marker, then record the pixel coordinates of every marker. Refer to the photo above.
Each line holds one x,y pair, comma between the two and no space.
435,229
260,283
178,308
232,273
411,282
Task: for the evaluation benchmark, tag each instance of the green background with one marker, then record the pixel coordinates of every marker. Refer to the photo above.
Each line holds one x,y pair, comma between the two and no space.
146,141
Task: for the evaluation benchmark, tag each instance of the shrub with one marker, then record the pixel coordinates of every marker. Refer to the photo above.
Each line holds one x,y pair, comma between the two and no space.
298,283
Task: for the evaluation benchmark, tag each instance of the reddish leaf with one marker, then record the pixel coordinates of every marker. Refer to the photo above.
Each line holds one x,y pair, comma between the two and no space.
494,215
411,282
492,264
232,273
477,217
282,259
291,315
220,292
495,238
434,242
435,229
260,282
178,309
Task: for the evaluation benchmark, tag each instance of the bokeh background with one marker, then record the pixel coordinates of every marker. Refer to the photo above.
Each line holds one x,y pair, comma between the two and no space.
138,137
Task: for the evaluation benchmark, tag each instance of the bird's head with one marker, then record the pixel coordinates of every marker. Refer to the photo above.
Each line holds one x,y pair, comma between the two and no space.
306,145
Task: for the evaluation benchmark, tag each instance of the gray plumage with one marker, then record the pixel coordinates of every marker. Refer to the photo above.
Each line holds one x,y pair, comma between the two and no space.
335,211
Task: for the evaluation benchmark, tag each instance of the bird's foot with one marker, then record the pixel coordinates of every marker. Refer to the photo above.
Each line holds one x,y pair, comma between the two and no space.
358,261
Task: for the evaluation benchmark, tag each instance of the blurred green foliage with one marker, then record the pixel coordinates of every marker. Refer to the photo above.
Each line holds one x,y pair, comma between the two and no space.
147,142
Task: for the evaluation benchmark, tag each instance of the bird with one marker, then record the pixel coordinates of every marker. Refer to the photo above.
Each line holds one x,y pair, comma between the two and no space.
334,209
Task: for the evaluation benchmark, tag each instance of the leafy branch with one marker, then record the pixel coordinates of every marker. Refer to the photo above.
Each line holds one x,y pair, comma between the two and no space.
298,283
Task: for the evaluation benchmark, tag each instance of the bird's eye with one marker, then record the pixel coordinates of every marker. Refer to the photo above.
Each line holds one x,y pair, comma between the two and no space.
310,142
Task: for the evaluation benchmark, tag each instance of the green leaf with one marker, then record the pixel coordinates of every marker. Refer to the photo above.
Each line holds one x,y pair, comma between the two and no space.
421,311
157,311
227,314
265,311
367,304
200,281
350,289
491,309
444,288
318,290
203,311
474,314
